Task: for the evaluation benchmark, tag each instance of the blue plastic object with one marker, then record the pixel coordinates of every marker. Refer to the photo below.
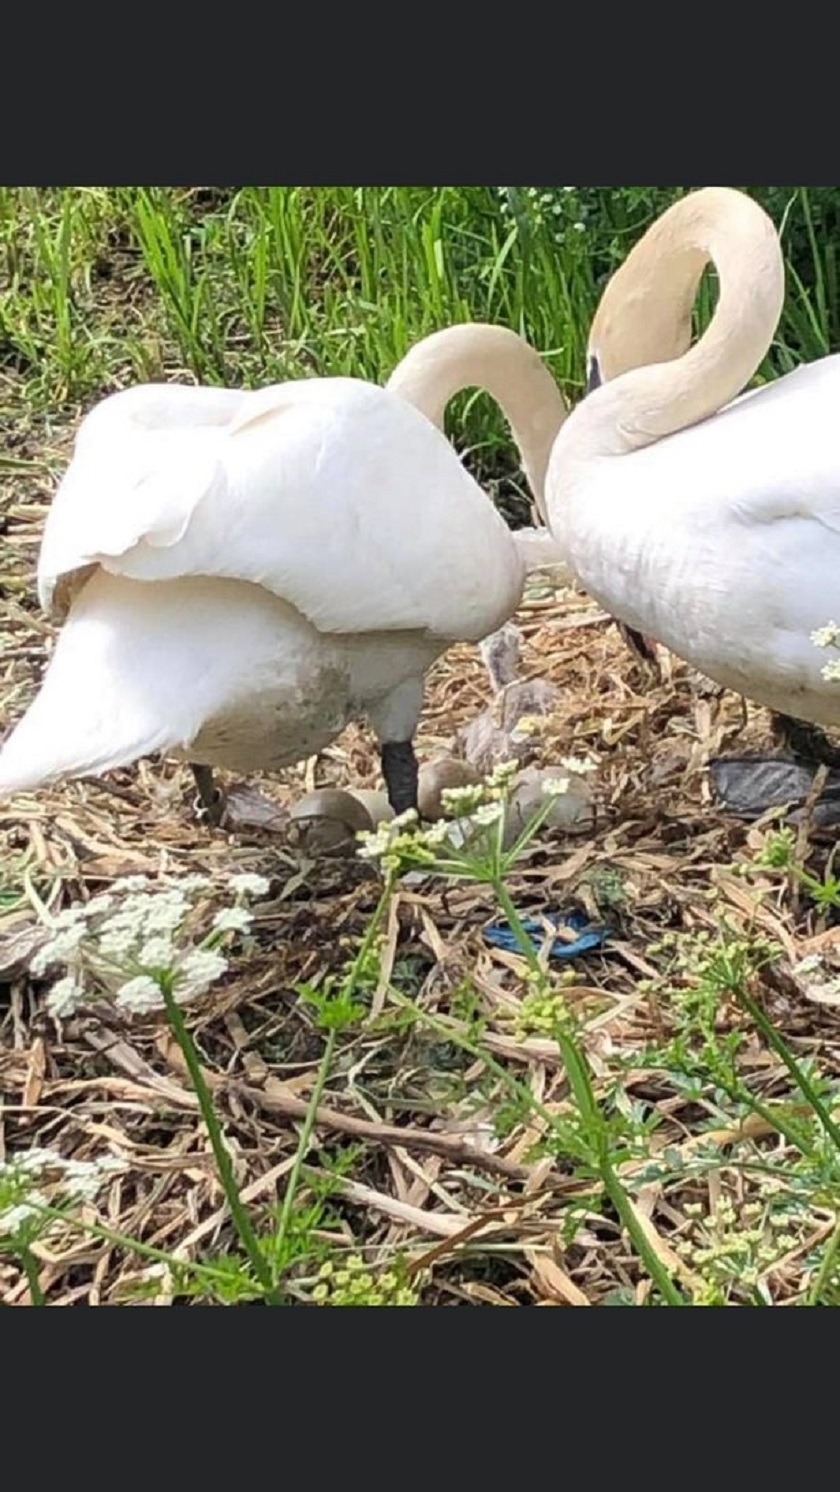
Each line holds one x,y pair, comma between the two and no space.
500,935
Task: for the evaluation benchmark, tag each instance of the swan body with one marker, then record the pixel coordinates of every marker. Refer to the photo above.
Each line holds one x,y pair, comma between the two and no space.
240,574
723,542
708,521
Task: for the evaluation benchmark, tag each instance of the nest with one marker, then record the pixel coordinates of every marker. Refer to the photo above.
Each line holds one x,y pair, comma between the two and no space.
479,1216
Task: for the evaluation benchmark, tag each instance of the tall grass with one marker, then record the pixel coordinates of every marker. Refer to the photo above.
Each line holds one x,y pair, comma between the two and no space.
256,284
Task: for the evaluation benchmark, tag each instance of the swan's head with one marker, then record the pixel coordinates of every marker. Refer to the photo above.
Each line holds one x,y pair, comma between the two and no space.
644,315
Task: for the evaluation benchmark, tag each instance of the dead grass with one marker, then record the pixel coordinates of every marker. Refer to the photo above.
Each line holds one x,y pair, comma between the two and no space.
429,1177
432,1173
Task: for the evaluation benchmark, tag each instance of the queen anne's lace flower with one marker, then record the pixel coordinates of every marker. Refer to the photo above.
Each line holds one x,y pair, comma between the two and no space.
58,950
826,637
12,1219
140,995
580,765
503,773
246,884
487,813
64,997
463,800
233,919
158,953
555,787
199,969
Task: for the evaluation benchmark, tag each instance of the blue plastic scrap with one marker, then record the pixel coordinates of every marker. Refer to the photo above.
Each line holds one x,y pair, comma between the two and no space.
500,935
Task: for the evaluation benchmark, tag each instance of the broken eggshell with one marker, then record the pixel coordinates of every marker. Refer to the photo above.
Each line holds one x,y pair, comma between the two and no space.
326,821
438,776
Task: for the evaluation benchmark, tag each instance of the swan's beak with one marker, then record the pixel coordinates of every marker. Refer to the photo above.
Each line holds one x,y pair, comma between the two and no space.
593,373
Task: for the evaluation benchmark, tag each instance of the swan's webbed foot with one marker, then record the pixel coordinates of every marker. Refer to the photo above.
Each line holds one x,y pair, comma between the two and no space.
399,768
807,742
209,806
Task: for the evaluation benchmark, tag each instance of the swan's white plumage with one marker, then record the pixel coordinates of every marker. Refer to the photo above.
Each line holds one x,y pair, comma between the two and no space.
240,574
311,488
723,539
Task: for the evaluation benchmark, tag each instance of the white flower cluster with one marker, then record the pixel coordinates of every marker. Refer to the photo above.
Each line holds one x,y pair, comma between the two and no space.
828,637
480,804
581,766
139,929
555,787
75,1180
528,726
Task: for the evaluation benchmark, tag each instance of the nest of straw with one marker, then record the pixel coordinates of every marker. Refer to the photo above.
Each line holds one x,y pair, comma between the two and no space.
428,1178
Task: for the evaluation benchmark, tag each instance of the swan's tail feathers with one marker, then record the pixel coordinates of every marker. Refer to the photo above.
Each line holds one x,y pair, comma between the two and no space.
50,743
109,696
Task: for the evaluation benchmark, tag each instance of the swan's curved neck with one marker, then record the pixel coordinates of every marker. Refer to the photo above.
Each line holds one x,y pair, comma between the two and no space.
495,359
716,225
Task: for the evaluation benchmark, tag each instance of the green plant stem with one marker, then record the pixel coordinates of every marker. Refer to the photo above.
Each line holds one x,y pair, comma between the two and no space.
347,992
122,1240
769,1031
827,1264
304,1139
529,953
579,1081
581,1084
30,1269
238,1213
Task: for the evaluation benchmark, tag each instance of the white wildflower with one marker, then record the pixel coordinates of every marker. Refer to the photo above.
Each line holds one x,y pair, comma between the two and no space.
192,883
488,813
404,820
59,950
64,997
246,884
36,1159
117,942
198,971
580,765
97,904
70,917
460,800
555,787
164,914
436,834
85,1176
826,637
158,953
831,672
131,884
373,843
12,1219
528,726
140,995
503,773
233,919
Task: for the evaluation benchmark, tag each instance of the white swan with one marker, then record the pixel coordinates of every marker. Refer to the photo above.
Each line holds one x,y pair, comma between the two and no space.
714,529
241,573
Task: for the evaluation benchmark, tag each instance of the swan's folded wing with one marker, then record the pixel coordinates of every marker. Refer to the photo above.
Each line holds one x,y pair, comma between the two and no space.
331,493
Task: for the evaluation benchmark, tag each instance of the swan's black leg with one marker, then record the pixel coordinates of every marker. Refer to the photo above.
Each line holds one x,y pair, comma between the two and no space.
399,768
806,741
638,644
210,803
